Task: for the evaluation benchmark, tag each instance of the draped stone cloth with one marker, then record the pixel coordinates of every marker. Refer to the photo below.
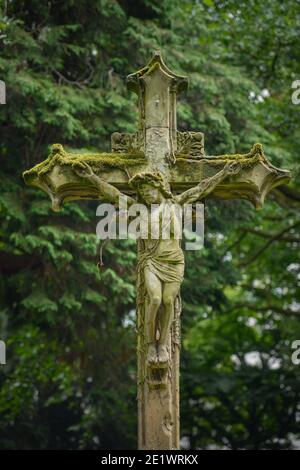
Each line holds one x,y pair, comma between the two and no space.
168,265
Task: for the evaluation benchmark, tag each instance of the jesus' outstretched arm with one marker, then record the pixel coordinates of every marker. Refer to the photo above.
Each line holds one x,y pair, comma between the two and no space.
106,190
208,185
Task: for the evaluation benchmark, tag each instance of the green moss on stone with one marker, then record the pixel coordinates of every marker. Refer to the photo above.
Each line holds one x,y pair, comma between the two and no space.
98,161
255,155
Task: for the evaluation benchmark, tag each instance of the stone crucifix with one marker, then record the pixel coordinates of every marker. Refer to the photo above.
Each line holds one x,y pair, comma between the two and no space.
157,165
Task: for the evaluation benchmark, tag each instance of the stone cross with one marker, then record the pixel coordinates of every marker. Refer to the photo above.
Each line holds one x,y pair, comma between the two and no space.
157,147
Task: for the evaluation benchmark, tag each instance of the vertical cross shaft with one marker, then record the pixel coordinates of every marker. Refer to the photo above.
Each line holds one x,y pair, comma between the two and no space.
158,391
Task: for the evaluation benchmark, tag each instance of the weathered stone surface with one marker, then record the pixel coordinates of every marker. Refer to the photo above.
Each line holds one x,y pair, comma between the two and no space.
190,144
127,143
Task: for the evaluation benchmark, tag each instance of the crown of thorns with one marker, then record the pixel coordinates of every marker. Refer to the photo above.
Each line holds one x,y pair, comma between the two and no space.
154,179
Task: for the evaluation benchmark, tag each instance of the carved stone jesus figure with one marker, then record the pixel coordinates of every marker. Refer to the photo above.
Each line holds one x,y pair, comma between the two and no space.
161,260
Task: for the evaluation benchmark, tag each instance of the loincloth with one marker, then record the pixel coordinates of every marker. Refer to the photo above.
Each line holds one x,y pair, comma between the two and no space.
168,267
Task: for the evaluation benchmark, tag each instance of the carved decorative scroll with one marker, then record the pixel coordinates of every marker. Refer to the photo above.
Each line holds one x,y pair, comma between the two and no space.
122,142
190,144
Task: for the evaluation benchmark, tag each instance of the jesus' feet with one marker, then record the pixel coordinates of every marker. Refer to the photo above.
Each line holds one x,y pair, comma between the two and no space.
152,354
163,355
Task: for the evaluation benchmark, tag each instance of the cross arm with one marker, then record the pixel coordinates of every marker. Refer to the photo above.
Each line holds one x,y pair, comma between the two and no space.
255,177
58,177
62,177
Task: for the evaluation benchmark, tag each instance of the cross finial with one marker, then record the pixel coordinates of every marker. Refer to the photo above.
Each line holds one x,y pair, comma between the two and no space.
157,88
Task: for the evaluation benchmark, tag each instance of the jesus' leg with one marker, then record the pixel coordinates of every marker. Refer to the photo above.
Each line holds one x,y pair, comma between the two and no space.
154,290
170,291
